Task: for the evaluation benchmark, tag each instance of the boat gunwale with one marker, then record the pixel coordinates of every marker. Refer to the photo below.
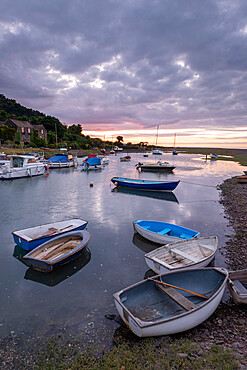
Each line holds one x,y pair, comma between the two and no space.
143,324
70,253
127,180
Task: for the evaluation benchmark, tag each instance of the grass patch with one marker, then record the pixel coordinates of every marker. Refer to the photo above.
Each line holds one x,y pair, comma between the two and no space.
149,353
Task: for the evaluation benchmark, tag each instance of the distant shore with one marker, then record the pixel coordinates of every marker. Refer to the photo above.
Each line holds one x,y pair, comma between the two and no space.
236,155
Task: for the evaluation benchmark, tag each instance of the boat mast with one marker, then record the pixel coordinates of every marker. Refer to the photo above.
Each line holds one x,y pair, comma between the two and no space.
157,135
174,140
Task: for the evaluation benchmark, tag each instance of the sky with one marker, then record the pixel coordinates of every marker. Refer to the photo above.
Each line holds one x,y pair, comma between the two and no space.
125,67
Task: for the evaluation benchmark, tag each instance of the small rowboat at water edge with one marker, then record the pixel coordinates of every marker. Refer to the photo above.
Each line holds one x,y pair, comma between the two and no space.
145,184
30,238
163,232
237,285
193,253
242,179
150,308
58,251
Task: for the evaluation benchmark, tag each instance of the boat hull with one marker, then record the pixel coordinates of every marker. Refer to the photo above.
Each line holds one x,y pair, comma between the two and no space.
194,253
60,164
176,234
179,322
9,173
48,265
23,238
242,179
145,184
236,288
157,168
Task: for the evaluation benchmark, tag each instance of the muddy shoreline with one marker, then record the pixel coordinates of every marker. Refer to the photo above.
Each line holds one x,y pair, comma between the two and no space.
226,328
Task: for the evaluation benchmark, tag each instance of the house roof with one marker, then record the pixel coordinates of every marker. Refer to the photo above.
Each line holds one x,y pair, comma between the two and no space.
39,126
21,123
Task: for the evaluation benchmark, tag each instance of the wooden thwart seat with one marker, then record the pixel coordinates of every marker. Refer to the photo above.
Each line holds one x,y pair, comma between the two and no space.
177,297
183,254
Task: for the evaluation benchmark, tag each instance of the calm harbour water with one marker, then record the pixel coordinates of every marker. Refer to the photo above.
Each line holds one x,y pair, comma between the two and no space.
76,298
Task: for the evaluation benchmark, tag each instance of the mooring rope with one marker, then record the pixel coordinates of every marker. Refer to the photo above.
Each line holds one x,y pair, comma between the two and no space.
192,183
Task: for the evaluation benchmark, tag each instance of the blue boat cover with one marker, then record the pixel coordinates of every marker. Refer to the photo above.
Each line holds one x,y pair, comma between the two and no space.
59,158
93,161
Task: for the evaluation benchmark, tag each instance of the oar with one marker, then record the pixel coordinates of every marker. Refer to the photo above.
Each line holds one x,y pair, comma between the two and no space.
54,232
176,287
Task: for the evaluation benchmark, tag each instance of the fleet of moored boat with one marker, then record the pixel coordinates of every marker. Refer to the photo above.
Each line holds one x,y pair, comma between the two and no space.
182,295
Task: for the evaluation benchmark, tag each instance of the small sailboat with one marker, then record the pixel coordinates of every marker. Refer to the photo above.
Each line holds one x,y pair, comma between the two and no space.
213,156
171,303
174,152
193,253
157,151
58,251
163,232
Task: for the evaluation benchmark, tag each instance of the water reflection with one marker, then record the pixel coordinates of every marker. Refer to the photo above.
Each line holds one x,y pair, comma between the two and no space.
144,244
57,276
168,196
19,253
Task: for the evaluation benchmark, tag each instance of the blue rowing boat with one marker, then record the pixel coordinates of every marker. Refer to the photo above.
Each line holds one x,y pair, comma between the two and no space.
30,238
145,184
163,232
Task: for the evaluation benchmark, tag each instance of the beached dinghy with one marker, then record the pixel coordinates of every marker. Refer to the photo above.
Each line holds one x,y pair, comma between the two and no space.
58,251
237,285
144,184
193,253
150,308
163,232
30,238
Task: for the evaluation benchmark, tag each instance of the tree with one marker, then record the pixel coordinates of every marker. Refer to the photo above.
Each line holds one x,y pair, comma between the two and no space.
18,138
35,140
119,139
75,129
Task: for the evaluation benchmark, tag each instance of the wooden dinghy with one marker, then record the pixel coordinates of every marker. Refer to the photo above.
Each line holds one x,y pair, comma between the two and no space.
163,232
144,184
192,253
57,252
126,158
30,238
242,179
237,285
151,308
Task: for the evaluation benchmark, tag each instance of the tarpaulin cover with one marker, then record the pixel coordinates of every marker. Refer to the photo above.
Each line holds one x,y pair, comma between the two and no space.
93,161
59,158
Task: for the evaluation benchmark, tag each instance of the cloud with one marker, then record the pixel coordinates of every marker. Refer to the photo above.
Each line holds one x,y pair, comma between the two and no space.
113,62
